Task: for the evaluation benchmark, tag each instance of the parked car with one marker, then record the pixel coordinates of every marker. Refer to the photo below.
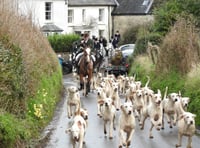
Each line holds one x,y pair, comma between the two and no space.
66,65
127,49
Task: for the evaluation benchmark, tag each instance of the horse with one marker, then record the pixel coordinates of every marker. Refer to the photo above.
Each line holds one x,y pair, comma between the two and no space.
86,70
98,60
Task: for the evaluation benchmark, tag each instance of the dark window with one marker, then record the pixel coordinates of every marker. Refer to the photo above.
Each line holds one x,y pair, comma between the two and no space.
48,10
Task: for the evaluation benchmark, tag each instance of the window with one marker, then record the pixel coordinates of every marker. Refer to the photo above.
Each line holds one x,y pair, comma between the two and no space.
83,15
48,10
101,32
101,15
70,16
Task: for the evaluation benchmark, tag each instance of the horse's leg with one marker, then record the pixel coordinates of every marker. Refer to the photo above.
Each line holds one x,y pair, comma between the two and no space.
81,81
90,71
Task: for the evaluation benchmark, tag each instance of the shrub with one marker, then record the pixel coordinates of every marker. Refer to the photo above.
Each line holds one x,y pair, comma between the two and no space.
192,90
12,130
142,66
142,40
165,16
62,43
180,49
28,65
12,90
130,35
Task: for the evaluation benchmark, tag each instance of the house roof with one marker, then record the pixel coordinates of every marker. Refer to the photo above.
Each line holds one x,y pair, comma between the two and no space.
92,3
132,7
51,28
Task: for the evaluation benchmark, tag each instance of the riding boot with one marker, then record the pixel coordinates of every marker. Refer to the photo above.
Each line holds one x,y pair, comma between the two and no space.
77,69
81,86
88,86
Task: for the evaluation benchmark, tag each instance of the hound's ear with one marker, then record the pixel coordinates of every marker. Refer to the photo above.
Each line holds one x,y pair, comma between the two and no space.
170,96
101,102
181,116
113,103
81,113
194,115
79,124
68,130
122,107
188,99
77,113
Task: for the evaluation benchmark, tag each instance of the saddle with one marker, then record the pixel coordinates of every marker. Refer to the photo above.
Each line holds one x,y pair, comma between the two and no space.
77,64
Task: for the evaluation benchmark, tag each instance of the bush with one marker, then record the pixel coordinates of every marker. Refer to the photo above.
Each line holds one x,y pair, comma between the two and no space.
142,41
12,130
12,90
192,90
31,80
167,13
130,35
142,66
180,49
165,16
62,43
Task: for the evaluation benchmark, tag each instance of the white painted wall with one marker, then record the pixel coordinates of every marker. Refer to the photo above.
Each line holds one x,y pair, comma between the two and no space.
37,8
91,12
60,16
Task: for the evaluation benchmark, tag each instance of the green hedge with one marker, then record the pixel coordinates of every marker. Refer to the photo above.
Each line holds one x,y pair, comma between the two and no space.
142,40
62,43
12,88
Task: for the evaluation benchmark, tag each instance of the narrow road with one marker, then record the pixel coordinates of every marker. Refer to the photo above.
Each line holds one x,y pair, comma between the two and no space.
95,138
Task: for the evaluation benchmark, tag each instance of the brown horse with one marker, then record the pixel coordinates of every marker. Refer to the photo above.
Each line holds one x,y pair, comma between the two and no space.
86,69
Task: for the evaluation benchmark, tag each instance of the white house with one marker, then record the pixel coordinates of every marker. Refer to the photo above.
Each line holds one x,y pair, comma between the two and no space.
49,15
70,16
99,17
93,16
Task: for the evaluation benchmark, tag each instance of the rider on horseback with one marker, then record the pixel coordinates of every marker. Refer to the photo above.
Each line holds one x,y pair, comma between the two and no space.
85,43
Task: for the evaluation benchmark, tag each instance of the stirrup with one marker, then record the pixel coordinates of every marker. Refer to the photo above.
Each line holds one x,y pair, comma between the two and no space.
81,87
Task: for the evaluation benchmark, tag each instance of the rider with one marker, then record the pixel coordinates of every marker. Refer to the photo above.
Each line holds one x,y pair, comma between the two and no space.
85,42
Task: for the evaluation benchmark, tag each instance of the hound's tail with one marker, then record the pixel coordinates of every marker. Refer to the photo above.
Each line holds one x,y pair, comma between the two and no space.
147,81
165,95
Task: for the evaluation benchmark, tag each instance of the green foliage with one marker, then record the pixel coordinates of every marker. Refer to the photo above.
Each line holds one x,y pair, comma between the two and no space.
166,15
62,43
141,67
12,90
130,35
142,40
28,66
188,86
158,3
191,7
11,130
41,106
180,49
173,80
192,90
40,109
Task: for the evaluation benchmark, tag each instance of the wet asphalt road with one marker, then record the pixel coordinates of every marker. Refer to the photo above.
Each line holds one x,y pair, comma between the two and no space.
95,137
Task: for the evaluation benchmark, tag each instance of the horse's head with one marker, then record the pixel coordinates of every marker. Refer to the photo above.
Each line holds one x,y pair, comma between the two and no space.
87,54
